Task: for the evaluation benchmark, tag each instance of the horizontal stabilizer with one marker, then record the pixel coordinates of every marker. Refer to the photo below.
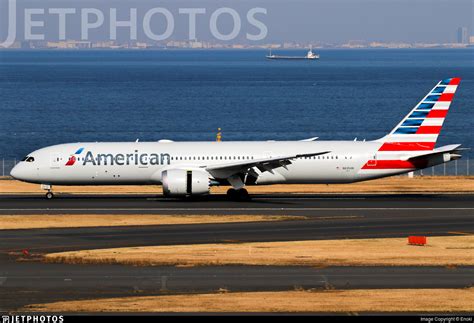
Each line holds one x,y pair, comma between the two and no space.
453,149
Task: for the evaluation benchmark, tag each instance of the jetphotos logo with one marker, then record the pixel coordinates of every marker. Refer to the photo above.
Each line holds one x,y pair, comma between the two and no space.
72,159
46,21
32,319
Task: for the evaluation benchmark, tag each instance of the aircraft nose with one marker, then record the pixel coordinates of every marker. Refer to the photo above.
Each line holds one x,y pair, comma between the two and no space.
19,172
14,172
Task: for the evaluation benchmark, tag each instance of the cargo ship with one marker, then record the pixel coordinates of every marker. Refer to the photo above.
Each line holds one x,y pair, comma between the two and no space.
310,55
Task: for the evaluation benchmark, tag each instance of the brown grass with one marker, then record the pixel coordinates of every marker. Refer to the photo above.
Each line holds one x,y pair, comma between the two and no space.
11,222
392,184
441,251
336,301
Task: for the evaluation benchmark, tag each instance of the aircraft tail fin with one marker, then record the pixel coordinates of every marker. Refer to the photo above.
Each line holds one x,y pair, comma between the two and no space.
420,128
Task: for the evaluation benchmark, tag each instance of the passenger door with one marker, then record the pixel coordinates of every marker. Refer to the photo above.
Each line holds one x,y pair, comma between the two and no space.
55,161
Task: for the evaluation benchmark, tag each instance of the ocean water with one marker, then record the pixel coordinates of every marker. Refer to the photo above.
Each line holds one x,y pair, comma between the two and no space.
51,97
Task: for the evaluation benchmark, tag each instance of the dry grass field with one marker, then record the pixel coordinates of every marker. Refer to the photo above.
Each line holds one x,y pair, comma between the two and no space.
12,222
440,251
398,184
335,301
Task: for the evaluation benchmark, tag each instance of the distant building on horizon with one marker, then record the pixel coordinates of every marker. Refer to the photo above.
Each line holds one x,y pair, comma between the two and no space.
69,44
462,35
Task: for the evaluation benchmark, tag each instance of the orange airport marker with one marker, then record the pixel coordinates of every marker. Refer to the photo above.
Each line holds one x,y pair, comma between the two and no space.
417,240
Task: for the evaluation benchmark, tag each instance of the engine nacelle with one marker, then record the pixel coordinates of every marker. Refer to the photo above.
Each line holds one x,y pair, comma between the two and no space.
182,182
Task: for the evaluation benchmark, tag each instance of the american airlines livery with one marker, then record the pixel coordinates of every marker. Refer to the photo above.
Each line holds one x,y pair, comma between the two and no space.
191,168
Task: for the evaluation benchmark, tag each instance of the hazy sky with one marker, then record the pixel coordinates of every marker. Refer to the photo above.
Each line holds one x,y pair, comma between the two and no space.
291,20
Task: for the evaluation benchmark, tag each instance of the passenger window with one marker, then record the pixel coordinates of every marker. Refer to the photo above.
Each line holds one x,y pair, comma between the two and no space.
30,159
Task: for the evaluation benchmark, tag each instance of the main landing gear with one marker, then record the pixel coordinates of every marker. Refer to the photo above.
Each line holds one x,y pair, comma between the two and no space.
238,195
49,195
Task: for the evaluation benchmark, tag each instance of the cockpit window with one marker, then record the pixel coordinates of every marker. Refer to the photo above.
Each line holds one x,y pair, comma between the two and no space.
30,159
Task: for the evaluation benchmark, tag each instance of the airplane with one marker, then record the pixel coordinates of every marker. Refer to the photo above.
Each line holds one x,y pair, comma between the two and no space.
190,168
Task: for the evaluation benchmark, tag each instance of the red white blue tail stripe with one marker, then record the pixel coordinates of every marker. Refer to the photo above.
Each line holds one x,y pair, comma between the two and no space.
419,130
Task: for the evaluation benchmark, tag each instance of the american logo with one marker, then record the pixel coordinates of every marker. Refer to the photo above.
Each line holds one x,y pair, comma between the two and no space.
72,159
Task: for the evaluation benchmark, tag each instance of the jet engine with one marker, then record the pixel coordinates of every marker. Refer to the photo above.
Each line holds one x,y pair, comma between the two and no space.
182,182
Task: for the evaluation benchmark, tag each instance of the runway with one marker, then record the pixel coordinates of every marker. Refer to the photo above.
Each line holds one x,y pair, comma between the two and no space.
37,283
327,217
217,204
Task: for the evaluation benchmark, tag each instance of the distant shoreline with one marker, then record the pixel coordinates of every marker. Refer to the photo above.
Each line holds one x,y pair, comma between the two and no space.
471,47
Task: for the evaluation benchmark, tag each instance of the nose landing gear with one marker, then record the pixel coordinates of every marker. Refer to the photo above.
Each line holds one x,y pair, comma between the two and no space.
49,195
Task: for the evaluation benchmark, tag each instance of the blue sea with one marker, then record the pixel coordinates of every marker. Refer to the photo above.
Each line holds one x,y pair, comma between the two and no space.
51,97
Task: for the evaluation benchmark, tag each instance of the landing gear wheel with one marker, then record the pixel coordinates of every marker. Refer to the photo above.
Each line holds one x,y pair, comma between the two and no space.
49,195
238,195
232,194
243,194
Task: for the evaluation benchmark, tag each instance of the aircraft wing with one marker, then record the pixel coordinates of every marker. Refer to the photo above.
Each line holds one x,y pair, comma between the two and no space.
263,164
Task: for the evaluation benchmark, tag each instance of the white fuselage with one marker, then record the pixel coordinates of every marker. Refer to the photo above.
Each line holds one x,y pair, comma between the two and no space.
141,163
